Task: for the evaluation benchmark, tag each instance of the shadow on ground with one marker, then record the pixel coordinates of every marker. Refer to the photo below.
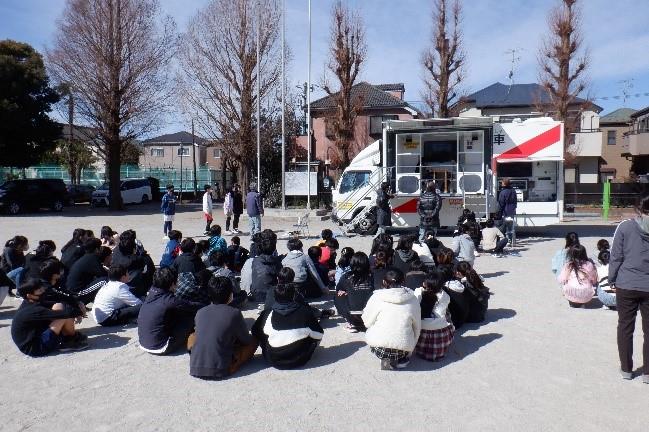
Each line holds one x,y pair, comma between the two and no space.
107,341
462,347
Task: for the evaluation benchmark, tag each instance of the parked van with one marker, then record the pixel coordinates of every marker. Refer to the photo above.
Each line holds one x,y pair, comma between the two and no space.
31,194
133,191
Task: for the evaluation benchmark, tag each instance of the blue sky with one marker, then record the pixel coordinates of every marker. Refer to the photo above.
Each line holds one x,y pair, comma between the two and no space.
397,32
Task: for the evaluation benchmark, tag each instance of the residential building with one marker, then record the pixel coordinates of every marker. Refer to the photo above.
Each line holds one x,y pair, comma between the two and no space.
88,136
214,157
379,103
636,144
173,151
614,125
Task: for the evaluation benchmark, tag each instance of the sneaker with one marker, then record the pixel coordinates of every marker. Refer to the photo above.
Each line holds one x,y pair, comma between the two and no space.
236,231
387,364
206,233
165,237
350,328
228,232
627,375
404,362
72,345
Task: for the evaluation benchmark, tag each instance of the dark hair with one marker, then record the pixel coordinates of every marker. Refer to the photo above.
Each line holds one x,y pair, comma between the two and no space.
50,268
44,249
91,245
89,234
127,241
285,275
405,243
360,267
77,236
445,256
417,265
116,272
385,186
326,234
332,243
269,234
572,239
267,246
433,285
17,242
465,269
207,187
218,258
187,245
506,182
284,292
215,231
462,229
604,257
256,237
219,289
201,247
236,240
164,278
490,223
382,238
170,187
393,278
294,244
175,235
576,258
642,204
106,232
29,287
314,253
345,256
104,252
603,244
382,259
431,186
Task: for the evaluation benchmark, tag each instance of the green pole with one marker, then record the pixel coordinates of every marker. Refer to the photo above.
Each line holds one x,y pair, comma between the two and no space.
606,201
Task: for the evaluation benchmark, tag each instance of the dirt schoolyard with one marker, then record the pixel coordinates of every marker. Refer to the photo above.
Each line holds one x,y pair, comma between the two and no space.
535,364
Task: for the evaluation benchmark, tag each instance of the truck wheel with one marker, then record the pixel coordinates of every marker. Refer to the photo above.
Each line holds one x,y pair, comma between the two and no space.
13,208
57,206
367,225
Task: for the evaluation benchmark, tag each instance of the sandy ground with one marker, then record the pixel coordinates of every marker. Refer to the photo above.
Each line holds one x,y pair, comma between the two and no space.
535,364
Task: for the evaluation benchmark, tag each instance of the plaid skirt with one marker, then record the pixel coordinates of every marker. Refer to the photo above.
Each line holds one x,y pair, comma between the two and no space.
433,344
389,353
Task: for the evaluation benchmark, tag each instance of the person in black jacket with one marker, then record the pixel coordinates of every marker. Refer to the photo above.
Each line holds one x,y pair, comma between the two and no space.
73,249
353,292
221,343
507,202
476,293
12,261
237,254
33,261
428,207
288,333
165,321
416,275
188,261
265,269
131,254
88,273
39,329
383,209
404,255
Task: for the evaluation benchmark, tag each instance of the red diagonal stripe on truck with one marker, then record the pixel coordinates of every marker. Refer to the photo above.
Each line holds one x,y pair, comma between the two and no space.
409,206
534,145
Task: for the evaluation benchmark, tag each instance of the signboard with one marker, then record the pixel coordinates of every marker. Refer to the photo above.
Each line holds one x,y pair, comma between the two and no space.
296,183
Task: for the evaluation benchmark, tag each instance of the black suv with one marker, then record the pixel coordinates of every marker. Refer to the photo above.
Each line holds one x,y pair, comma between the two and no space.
20,195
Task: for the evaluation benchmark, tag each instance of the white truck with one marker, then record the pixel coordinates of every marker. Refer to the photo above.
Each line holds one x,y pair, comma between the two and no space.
466,157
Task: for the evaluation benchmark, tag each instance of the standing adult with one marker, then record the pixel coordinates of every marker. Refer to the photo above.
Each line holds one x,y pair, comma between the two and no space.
168,208
507,202
383,210
628,275
237,208
207,208
428,207
254,208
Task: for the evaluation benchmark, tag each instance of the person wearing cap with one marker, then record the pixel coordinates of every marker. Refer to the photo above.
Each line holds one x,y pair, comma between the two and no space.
207,208
254,208
168,208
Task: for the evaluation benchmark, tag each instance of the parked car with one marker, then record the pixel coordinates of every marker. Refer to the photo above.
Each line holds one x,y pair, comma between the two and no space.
32,194
133,191
80,193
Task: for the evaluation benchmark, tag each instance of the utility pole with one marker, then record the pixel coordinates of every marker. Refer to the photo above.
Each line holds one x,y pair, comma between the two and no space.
194,161
182,151
283,107
258,101
308,120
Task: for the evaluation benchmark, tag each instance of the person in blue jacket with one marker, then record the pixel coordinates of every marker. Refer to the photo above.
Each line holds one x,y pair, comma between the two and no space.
168,208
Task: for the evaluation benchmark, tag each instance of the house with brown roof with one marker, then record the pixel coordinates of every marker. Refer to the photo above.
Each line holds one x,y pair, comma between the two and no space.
379,103
174,150
615,166
636,145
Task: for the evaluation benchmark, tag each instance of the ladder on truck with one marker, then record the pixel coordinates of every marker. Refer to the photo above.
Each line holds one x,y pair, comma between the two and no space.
371,185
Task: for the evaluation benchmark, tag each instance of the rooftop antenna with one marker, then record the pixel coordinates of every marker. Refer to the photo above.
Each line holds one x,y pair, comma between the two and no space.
515,58
627,85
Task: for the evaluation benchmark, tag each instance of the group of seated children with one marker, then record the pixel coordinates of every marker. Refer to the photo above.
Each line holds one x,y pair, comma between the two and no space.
580,278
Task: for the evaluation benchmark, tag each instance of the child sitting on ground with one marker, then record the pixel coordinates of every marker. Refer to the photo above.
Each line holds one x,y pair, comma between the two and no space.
343,263
315,253
602,245
172,249
114,303
459,306
393,320
436,331
354,291
463,246
561,256
289,332
605,293
220,267
328,256
325,234
578,277
476,294
221,343
217,243
38,329
416,275
237,255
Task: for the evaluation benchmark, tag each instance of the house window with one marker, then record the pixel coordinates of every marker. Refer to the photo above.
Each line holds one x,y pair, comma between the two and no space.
329,129
183,151
376,123
217,153
157,152
610,137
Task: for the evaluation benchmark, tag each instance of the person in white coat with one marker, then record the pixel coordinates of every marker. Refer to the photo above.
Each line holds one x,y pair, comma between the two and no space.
393,320
207,208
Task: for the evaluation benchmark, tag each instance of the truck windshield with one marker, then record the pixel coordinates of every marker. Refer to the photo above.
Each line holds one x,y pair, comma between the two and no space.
352,180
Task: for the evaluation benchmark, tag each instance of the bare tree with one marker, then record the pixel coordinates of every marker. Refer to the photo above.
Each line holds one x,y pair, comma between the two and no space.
115,55
219,74
563,62
348,51
444,60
